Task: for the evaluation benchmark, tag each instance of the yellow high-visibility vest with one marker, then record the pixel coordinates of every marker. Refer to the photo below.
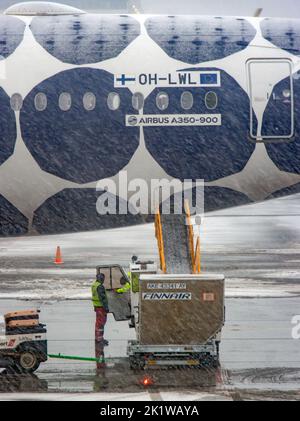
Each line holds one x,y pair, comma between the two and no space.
125,288
95,297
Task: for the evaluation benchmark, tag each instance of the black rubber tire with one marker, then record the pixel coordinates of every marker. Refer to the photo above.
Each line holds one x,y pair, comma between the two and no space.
209,361
27,362
215,363
136,363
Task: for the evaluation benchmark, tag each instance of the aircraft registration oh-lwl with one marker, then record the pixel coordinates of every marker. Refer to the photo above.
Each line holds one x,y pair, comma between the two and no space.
181,79
85,97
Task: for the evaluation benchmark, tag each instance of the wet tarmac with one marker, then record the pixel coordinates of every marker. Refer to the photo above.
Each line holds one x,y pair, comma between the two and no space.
258,249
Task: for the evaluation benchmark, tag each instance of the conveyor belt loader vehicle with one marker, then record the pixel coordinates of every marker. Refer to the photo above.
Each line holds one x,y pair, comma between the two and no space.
177,311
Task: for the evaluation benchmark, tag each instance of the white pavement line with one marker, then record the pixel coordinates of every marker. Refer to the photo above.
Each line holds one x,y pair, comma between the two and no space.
194,396
156,396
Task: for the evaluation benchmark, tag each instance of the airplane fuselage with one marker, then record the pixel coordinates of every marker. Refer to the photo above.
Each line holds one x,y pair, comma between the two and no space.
84,97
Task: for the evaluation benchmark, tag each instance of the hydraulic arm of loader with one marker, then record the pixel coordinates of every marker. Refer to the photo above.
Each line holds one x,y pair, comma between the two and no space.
185,236
160,242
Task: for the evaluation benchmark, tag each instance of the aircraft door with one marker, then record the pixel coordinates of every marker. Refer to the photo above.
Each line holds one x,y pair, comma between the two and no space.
119,304
270,84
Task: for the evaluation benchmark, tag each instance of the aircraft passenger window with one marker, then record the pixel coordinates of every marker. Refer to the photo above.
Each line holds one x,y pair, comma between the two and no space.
137,101
89,101
113,101
65,101
16,102
211,100
162,101
187,100
40,101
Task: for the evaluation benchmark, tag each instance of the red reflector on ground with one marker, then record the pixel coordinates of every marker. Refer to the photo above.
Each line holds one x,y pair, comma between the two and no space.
147,381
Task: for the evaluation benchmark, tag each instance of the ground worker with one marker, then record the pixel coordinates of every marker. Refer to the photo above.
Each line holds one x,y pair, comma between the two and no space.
100,303
126,283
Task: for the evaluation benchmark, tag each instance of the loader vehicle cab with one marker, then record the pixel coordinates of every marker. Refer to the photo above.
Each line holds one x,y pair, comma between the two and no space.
119,304
124,306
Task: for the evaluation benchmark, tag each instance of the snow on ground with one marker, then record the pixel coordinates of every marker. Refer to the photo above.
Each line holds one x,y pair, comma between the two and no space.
146,396
257,247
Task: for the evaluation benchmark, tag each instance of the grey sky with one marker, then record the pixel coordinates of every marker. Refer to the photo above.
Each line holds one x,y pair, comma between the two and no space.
281,8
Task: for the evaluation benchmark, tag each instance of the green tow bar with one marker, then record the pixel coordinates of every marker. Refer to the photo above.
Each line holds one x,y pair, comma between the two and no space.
70,357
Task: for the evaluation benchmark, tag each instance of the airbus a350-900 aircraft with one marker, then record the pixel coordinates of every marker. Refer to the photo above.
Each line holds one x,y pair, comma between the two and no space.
84,97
